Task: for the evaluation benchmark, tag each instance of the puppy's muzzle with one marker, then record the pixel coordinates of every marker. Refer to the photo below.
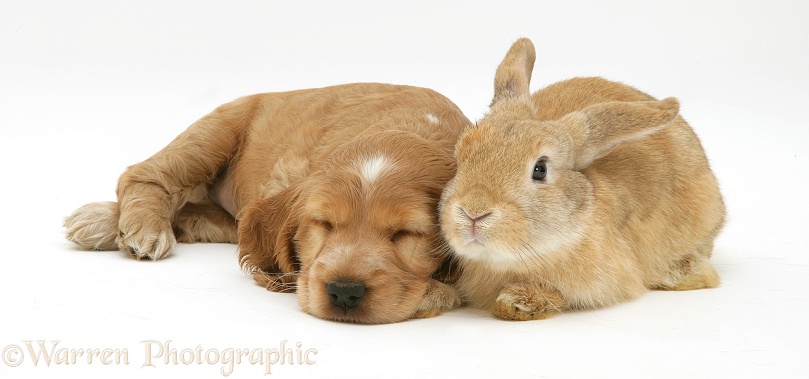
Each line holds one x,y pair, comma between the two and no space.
345,294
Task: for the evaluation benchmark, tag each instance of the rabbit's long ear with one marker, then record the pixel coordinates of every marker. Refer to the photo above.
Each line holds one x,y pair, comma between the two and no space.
599,128
513,75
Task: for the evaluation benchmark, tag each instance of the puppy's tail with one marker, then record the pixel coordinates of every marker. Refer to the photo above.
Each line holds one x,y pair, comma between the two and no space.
94,226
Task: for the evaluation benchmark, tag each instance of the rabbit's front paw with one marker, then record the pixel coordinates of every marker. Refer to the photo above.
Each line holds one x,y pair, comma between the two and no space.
526,301
146,238
438,298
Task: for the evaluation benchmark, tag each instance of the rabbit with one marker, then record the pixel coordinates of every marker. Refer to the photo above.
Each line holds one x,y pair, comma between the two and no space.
585,194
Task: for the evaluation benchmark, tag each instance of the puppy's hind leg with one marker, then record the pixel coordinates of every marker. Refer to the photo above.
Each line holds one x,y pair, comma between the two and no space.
94,226
204,222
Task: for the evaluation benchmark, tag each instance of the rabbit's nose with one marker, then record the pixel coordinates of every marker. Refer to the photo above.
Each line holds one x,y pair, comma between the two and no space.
475,216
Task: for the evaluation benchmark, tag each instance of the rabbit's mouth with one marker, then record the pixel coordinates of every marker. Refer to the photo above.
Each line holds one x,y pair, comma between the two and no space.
472,236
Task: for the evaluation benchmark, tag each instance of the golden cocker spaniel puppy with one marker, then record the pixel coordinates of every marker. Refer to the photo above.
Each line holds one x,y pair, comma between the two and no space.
329,192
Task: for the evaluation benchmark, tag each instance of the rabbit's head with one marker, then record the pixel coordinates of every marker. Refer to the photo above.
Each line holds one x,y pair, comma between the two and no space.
522,188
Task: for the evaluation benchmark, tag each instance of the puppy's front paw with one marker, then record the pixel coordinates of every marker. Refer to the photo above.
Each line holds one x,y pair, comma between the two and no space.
146,237
438,298
94,226
525,301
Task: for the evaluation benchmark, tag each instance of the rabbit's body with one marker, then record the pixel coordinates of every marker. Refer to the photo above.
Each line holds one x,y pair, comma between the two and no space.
629,202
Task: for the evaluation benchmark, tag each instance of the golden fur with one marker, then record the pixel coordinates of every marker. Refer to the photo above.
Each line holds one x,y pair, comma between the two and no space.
335,190
628,204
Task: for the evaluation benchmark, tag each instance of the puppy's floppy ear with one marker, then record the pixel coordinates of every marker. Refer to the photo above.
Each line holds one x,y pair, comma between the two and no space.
266,231
513,76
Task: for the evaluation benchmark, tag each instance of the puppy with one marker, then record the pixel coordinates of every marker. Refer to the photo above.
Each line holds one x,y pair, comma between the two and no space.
329,192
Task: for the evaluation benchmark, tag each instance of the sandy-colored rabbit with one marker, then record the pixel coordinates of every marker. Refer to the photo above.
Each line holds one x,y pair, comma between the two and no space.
584,194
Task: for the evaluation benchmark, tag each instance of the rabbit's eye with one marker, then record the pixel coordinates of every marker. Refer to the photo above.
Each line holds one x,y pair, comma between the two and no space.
540,170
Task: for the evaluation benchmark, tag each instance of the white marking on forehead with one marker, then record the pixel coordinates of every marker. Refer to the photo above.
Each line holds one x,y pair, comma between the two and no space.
371,168
432,118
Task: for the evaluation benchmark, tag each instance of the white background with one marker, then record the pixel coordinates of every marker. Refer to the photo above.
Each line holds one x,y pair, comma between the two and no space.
90,87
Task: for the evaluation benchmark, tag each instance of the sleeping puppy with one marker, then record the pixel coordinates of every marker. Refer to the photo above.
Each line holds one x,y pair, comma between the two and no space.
329,192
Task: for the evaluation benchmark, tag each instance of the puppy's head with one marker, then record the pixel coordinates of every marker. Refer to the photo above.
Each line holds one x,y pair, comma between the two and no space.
361,231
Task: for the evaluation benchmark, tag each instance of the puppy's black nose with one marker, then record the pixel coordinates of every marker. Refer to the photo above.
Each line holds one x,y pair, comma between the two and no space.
345,294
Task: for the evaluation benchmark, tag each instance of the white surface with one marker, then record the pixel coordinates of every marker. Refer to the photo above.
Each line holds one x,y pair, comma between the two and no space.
89,87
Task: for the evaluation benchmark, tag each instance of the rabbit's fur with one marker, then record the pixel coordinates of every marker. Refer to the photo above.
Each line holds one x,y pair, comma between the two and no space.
628,204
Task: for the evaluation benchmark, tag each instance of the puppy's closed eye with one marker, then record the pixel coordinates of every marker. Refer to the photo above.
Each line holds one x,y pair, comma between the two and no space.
401,234
325,224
